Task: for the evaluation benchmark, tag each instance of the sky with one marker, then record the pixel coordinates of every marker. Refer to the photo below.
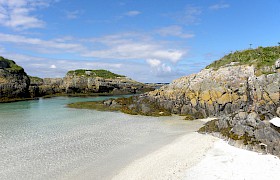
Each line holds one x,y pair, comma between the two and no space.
146,40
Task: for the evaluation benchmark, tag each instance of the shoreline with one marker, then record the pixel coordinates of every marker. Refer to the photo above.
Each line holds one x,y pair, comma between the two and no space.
207,157
170,161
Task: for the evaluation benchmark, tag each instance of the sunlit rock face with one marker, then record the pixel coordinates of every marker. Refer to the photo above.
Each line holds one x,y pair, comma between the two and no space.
222,91
14,82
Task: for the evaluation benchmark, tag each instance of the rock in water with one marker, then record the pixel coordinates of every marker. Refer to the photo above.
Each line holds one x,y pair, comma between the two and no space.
14,82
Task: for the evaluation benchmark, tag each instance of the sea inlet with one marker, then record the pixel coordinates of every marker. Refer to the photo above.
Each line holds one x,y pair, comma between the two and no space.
44,139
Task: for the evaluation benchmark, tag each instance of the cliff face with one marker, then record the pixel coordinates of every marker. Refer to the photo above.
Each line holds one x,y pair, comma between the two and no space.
223,91
14,82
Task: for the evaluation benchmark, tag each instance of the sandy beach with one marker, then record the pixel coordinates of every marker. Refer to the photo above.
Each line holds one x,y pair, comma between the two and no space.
196,156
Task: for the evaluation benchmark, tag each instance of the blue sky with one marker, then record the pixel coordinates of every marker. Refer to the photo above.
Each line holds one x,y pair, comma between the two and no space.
147,40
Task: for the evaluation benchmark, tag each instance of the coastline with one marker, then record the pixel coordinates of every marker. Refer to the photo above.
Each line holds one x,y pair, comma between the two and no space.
206,157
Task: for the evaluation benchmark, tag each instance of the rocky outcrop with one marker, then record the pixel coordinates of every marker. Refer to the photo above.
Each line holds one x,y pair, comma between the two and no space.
215,93
14,82
86,84
242,100
246,130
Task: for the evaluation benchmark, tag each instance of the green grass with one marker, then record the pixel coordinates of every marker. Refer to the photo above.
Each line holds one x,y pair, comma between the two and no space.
259,57
13,66
94,73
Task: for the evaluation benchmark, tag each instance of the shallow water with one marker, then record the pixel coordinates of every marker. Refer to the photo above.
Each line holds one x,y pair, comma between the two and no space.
44,139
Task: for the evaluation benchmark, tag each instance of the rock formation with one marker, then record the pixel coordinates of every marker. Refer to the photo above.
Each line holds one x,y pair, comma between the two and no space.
243,97
221,92
14,82
87,82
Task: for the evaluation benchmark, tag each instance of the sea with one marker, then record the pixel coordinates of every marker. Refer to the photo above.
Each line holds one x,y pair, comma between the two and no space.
44,139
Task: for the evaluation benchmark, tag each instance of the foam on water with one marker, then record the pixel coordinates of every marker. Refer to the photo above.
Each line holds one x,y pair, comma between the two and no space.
43,139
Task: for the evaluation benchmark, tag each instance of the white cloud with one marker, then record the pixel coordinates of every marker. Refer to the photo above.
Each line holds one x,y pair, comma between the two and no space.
166,68
132,13
53,66
158,67
219,6
153,62
120,53
39,66
134,46
122,46
174,31
17,14
42,45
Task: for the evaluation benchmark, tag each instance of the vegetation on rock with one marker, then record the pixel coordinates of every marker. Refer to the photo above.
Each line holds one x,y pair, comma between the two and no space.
94,73
12,66
259,57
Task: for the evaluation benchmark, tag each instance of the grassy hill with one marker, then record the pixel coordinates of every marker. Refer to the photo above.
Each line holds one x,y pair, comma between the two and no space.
94,73
12,66
259,57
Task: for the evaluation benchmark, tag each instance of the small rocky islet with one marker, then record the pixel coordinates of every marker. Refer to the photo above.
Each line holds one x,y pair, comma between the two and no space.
242,90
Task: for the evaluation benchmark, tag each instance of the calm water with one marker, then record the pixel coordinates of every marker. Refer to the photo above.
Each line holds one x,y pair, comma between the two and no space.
44,139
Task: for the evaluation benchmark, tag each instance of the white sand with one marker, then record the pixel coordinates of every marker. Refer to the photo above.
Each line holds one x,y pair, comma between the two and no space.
198,157
170,161
230,163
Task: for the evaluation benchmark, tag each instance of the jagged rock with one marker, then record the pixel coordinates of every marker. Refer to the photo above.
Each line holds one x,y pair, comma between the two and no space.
221,91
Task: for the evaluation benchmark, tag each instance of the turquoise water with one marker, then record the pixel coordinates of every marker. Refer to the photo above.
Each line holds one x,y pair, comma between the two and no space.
43,139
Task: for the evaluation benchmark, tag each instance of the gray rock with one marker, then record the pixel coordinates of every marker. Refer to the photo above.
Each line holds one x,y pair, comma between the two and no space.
108,102
239,130
252,119
145,108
